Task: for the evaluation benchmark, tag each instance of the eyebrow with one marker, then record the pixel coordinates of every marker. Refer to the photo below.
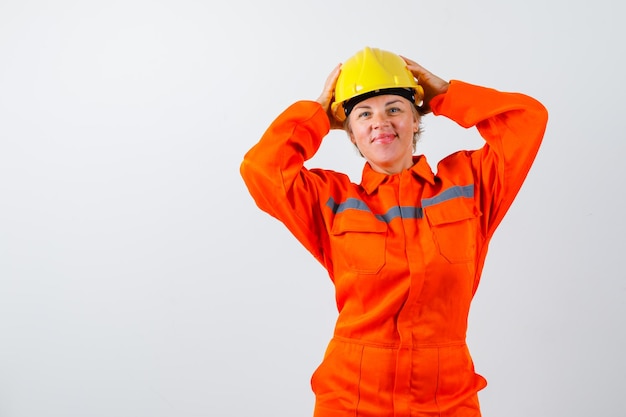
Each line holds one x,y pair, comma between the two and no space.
360,105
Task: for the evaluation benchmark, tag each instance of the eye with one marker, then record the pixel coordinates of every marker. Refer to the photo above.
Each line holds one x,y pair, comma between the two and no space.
394,110
363,114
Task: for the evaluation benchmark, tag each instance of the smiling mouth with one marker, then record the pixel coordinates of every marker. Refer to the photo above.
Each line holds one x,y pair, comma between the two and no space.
384,138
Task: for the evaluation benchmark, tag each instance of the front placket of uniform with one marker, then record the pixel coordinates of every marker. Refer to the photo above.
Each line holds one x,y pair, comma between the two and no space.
409,197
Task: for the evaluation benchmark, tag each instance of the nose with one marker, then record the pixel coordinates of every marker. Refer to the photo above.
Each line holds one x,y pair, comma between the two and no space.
380,120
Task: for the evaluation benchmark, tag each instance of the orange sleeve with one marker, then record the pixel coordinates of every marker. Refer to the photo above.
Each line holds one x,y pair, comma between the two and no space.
513,126
274,172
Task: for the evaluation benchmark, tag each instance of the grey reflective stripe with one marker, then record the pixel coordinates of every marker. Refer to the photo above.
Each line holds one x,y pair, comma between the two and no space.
458,191
351,203
405,212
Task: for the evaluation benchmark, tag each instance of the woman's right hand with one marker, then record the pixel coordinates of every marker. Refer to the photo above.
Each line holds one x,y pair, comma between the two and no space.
327,96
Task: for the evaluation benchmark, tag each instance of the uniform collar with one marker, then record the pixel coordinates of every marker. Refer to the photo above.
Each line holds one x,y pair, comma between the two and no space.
371,180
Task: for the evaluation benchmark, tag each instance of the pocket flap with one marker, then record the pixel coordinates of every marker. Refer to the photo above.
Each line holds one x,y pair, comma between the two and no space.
451,211
357,221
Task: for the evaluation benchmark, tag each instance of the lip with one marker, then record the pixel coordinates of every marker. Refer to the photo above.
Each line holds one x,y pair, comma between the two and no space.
384,138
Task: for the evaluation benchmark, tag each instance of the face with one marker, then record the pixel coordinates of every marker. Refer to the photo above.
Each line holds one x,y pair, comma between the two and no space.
382,128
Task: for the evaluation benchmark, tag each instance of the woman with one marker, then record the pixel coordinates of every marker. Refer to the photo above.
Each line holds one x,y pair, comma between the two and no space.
405,247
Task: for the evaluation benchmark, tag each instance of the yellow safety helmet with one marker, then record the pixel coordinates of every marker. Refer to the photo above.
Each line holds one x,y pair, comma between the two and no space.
372,72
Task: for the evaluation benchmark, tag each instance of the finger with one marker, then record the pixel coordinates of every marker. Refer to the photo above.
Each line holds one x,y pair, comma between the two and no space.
329,87
412,64
331,81
407,60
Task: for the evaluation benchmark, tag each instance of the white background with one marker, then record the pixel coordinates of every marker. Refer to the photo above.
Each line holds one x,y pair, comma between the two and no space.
138,278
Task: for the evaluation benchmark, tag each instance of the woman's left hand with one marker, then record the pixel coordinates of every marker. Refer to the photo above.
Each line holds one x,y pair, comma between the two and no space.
431,84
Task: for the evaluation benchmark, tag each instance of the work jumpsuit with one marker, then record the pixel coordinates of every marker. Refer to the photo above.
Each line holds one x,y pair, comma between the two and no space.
404,251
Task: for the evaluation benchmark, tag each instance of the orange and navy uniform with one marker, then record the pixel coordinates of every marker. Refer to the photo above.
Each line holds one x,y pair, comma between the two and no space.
405,251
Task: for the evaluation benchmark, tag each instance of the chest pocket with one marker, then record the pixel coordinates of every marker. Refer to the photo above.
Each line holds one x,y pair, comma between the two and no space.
358,241
454,225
